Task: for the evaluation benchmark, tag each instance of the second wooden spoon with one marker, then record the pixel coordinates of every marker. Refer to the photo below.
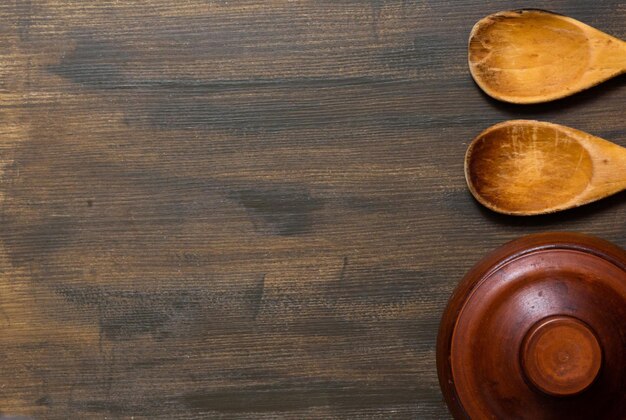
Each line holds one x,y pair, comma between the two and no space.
531,56
524,167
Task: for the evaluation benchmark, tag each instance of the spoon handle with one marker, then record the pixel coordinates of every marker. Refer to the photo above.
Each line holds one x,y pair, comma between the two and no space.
623,56
612,55
609,165
621,168
610,168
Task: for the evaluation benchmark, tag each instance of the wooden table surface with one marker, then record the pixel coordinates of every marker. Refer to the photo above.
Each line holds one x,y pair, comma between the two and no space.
249,208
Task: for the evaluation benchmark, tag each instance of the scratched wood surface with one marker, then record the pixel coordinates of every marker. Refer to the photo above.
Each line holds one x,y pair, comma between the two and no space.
249,208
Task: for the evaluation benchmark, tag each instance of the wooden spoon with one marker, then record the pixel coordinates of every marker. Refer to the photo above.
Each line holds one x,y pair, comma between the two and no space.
531,56
531,167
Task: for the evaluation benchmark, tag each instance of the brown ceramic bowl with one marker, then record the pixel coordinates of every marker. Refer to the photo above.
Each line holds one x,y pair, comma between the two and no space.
537,330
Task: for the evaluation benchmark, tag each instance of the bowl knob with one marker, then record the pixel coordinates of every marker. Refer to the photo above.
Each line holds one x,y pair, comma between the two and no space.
561,356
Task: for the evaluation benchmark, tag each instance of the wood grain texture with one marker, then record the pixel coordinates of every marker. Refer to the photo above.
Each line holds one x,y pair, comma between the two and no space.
248,209
528,167
533,56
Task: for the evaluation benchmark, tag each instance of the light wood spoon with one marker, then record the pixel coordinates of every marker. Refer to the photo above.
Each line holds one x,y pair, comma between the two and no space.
527,167
532,56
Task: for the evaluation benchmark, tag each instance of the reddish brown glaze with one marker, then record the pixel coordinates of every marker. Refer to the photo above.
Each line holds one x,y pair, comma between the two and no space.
561,356
537,330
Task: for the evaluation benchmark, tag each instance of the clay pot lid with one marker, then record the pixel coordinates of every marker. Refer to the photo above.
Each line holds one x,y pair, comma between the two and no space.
537,330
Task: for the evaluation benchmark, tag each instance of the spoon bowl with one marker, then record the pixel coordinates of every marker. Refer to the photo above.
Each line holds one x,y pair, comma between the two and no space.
533,56
525,167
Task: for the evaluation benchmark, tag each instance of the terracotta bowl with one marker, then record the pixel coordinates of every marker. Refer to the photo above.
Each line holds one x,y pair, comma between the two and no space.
537,330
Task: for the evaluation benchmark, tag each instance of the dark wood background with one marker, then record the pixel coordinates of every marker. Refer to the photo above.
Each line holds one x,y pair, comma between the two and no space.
248,208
